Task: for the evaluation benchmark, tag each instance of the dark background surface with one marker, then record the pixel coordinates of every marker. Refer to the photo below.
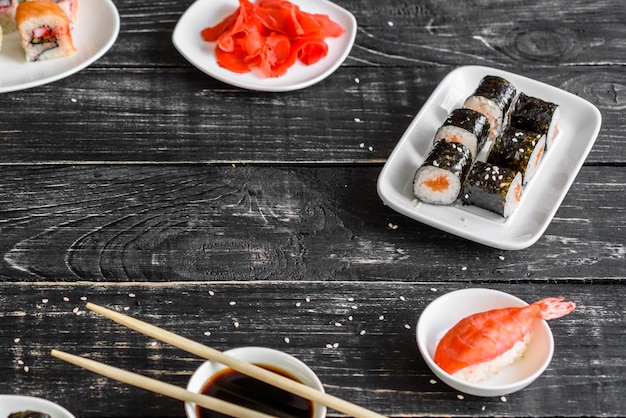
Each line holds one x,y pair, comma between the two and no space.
143,185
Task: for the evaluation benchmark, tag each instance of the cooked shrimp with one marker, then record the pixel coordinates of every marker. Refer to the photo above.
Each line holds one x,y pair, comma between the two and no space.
484,336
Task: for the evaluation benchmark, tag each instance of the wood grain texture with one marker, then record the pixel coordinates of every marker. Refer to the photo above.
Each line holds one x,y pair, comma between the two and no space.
147,223
244,218
379,368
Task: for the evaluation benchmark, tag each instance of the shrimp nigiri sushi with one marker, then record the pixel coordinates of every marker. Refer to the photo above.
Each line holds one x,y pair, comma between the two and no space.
480,345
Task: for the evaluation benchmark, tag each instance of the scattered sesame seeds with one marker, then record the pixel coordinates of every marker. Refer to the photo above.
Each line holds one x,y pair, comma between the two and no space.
66,299
131,295
75,310
126,308
83,298
464,268
432,289
381,317
44,301
390,23
286,340
407,326
357,119
362,332
356,80
211,293
501,257
207,333
503,398
362,145
461,397
335,345
329,346
16,340
370,148
350,299
307,299
433,382
73,100
20,362
354,307
298,304
232,303
26,369
338,324
350,318
402,298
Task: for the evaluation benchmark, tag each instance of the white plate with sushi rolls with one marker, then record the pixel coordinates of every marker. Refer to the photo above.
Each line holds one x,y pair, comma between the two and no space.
95,28
506,214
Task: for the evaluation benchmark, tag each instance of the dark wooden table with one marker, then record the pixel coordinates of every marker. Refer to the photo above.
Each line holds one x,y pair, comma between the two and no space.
236,218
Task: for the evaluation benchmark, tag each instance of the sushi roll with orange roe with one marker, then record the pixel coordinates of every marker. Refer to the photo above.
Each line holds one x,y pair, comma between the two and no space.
44,30
494,188
440,178
493,97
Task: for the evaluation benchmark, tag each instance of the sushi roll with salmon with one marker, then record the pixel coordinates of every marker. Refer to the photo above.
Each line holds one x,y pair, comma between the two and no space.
440,178
44,30
70,7
518,150
481,345
493,97
7,15
494,188
465,126
536,115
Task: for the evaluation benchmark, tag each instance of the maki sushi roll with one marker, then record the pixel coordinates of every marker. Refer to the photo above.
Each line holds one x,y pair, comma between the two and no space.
44,30
536,115
7,16
493,98
465,126
518,150
440,178
494,188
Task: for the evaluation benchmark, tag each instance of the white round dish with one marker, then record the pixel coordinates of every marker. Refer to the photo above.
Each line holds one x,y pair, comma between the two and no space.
96,29
579,127
445,311
259,356
10,404
203,13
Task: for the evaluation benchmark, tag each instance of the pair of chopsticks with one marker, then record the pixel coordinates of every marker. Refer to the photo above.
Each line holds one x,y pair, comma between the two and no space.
208,353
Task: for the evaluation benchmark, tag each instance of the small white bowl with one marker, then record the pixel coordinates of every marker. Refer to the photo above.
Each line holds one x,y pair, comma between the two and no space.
259,356
445,311
10,404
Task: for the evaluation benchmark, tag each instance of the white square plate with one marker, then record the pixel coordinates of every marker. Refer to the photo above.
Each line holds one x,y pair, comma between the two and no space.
578,128
204,13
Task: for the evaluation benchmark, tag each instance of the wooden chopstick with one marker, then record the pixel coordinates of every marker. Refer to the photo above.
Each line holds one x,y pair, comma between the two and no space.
157,386
241,366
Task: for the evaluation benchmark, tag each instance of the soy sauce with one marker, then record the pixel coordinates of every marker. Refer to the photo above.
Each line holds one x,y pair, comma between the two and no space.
237,388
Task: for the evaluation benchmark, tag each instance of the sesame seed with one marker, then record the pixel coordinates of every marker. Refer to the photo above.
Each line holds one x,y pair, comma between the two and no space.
464,268
307,299
350,318
501,257
362,332
211,293
370,148
362,145
26,369
16,340
356,80
20,362
131,295
127,308
354,307
298,304
286,340
433,382
357,119
407,326
335,345
338,324
402,298
503,398
390,23
207,333
83,298
350,299
461,397
236,324
232,303
432,289
44,300
381,317
75,310
73,100
66,299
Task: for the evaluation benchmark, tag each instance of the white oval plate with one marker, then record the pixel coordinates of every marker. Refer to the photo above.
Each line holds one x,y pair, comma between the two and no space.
578,128
204,13
15,403
96,29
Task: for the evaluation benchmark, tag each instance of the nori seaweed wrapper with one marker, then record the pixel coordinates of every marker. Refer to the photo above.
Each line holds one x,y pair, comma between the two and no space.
497,89
450,156
513,149
29,414
487,186
532,114
472,121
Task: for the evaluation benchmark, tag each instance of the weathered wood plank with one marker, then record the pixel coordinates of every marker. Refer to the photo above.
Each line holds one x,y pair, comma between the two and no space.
183,116
380,369
160,223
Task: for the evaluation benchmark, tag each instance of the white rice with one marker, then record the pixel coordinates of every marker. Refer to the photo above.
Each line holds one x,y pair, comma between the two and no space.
535,160
553,130
460,135
481,371
511,201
